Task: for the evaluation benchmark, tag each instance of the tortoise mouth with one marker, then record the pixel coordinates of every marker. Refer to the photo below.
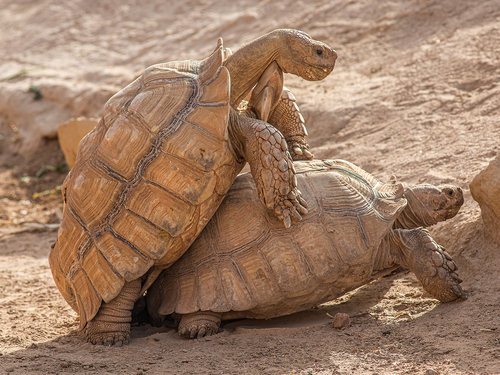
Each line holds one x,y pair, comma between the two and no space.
317,72
448,212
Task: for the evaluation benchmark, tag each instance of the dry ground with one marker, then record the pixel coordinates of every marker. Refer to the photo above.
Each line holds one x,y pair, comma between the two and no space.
416,93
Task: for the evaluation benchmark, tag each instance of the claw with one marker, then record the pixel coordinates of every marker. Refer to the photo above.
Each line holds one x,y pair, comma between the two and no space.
459,292
201,333
193,332
296,215
307,154
287,221
297,150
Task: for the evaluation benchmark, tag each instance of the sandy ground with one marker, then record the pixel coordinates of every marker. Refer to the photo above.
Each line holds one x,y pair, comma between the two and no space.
416,93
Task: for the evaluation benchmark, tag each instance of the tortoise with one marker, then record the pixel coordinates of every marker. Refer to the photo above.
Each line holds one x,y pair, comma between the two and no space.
357,229
151,174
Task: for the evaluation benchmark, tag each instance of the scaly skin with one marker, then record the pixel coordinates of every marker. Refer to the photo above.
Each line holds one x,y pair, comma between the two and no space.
271,165
111,325
416,250
290,122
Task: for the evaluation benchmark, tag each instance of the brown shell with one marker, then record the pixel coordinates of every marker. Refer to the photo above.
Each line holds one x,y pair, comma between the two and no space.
249,265
146,181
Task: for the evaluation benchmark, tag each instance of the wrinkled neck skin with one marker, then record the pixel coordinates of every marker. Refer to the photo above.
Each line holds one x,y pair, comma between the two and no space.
249,62
237,135
415,214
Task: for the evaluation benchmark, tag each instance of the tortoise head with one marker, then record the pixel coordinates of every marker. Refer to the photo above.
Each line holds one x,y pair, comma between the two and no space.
303,56
440,202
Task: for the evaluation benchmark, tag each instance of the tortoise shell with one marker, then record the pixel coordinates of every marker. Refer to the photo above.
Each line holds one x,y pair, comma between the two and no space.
250,266
146,181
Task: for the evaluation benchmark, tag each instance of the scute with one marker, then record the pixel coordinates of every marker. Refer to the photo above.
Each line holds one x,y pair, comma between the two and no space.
92,196
123,147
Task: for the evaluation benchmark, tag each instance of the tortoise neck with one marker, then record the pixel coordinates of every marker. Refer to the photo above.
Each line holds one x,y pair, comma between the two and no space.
249,62
415,214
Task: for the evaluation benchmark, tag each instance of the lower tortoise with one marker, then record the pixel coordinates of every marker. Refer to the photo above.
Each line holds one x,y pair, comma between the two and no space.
245,265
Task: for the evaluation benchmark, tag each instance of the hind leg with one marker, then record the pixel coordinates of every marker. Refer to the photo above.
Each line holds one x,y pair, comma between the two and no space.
111,325
199,324
416,250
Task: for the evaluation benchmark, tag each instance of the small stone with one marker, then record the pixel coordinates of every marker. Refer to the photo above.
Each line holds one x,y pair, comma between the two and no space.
431,371
64,365
341,321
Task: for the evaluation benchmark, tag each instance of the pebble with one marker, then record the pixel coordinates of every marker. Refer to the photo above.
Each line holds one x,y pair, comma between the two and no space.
341,321
431,371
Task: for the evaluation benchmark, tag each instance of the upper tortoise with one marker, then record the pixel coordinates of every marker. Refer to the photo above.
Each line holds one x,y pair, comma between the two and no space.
151,174
357,229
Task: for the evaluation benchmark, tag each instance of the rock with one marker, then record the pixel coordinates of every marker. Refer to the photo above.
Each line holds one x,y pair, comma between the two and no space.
485,189
341,321
71,133
431,371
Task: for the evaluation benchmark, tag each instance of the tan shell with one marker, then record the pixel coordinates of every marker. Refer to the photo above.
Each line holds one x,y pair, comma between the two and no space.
250,266
146,181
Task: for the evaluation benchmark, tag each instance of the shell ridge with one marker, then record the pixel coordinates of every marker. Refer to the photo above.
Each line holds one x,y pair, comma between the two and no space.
208,134
181,160
134,119
180,197
244,281
215,76
212,235
129,244
361,227
143,218
273,273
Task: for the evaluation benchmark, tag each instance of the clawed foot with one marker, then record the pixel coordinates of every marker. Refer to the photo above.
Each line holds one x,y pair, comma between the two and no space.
274,176
440,278
299,150
116,334
199,324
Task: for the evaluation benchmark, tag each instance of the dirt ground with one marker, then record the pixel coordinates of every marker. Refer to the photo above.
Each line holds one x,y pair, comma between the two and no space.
415,93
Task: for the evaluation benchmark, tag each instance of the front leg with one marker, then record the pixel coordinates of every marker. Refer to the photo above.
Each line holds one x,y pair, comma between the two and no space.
265,149
432,265
272,168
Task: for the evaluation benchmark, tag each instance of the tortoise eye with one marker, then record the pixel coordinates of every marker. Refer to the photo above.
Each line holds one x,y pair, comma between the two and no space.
319,52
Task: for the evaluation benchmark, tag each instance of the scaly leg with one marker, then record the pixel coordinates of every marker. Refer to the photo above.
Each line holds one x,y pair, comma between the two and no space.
287,118
265,149
416,250
111,325
199,324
